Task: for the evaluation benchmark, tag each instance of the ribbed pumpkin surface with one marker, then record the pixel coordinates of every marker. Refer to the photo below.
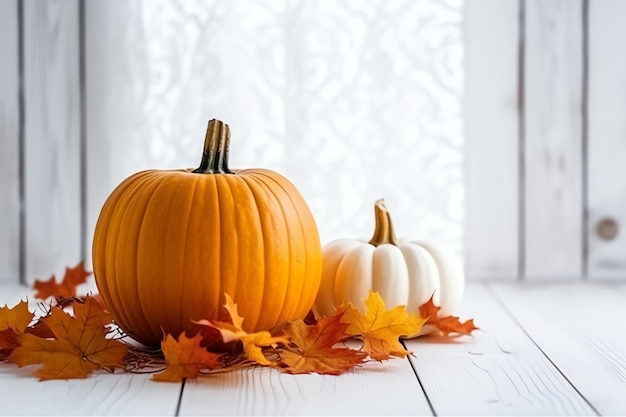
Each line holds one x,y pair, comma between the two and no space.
169,244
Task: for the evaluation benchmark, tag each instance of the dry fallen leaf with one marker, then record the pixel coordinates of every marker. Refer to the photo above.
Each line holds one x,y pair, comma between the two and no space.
13,322
448,324
252,342
80,347
185,358
66,288
16,318
72,346
312,347
380,329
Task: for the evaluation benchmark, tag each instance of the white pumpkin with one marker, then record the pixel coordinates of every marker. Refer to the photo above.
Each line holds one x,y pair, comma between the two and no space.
404,273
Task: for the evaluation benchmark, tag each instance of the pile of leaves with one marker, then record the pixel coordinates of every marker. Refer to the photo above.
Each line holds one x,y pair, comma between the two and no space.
76,335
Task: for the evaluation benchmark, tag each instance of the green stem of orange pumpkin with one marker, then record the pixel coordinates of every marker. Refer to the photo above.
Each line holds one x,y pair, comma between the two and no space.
215,153
383,232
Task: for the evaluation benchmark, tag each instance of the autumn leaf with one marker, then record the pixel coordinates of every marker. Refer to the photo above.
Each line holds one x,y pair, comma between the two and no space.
66,288
312,347
380,329
185,358
448,324
16,318
13,322
252,342
80,347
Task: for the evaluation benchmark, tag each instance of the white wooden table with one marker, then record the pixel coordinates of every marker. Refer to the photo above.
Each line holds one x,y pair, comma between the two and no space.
543,349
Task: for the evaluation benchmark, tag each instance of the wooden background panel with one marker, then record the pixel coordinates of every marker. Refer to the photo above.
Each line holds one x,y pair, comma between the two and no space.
51,137
9,144
553,139
607,139
116,86
491,120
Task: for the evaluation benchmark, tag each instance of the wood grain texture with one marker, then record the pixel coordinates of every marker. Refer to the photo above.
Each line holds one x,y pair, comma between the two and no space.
553,152
388,388
9,144
52,172
99,394
491,120
115,84
542,350
499,371
575,326
607,138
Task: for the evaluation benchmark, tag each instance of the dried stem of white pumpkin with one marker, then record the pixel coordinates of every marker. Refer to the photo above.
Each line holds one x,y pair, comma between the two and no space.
215,152
383,231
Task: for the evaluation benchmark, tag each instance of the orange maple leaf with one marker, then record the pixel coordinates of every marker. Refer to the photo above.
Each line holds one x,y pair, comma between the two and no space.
380,329
448,324
16,318
185,358
252,342
80,347
312,347
66,288
13,322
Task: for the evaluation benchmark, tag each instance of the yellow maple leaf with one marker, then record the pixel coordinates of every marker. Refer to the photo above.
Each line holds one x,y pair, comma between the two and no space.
380,329
80,345
252,342
185,358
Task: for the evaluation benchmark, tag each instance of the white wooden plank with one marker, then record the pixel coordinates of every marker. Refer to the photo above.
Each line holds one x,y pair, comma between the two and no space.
553,126
499,371
491,120
99,394
52,172
607,139
576,327
9,144
388,389
118,143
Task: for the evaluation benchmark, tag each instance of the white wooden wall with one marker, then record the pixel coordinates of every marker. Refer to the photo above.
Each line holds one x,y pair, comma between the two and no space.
545,123
546,139
40,145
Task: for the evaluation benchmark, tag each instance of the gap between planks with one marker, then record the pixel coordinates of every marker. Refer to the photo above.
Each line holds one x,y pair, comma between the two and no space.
509,367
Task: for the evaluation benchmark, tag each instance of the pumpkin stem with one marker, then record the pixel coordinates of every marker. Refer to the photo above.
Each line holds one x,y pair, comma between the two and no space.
215,153
383,232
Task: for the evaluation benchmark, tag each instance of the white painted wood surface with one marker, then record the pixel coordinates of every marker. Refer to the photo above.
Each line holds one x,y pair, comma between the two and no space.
491,128
388,389
100,394
9,143
51,137
553,139
607,137
499,371
579,328
542,350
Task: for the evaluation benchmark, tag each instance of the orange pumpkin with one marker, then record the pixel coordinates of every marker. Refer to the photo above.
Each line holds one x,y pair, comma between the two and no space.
169,244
